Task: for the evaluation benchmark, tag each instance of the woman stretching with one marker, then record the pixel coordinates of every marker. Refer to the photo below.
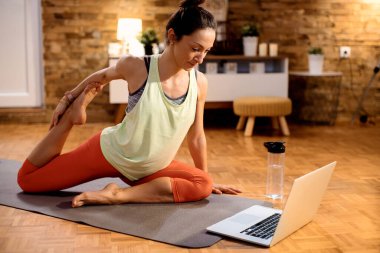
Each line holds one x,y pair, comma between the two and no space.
166,102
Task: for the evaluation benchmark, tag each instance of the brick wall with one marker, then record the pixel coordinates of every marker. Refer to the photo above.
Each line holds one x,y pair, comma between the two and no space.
76,34
298,25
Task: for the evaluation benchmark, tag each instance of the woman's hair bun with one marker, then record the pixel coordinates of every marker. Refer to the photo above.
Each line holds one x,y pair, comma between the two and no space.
189,18
190,3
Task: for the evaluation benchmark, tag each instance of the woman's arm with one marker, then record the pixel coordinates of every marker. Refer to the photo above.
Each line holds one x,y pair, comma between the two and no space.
125,68
102,77
197,139
96,80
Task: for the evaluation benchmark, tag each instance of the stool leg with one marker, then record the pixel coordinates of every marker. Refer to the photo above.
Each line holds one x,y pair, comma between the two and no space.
249,127
275,123
241,123
284,126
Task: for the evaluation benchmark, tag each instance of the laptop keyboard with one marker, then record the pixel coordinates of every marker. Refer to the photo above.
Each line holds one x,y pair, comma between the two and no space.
265,228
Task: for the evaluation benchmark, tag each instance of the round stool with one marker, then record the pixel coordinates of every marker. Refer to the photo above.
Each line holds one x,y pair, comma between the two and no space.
250,107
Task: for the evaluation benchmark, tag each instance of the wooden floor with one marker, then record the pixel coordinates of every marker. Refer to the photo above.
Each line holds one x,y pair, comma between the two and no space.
347,221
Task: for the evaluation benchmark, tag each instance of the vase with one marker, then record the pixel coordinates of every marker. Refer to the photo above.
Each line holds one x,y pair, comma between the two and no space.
316,63
250,45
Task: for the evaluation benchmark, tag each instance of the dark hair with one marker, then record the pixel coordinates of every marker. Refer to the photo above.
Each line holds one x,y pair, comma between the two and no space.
189,18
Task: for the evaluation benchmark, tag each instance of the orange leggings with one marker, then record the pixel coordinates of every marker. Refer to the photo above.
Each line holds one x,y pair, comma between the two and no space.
87,163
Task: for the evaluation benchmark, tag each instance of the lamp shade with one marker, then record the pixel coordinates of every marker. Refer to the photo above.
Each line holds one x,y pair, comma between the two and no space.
128,28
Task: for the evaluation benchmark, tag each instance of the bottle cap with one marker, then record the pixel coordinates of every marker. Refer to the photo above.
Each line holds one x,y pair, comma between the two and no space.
275,147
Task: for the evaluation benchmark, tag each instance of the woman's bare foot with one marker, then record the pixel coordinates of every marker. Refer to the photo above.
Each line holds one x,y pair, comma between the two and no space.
77,110
106,196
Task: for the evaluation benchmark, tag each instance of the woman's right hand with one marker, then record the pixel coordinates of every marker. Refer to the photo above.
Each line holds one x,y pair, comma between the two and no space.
58,112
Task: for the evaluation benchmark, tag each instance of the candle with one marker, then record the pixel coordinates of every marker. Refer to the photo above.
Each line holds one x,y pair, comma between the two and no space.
263,49
273,49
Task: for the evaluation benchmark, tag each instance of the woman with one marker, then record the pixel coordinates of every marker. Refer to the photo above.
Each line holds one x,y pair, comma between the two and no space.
166,103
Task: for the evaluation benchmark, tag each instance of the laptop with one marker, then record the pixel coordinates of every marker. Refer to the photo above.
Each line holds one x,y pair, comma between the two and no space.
267,226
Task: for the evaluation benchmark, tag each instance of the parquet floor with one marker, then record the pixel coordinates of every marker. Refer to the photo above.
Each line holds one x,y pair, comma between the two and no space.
347,221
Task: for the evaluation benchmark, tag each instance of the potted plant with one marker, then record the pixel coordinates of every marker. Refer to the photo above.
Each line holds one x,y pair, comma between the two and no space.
250,34
148,38
316,60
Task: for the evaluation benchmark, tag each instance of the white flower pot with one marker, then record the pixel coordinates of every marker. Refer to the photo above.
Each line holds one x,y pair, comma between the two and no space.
316,63
250,45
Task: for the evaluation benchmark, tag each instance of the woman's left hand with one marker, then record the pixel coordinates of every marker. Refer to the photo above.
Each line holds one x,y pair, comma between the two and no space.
220,189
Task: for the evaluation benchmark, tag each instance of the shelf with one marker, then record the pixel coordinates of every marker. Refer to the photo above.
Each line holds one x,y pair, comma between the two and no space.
244,64
223,88
242,57
323,74
253,76
228,87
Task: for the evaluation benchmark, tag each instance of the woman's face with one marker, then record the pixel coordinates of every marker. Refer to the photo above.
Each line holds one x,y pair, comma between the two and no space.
190,50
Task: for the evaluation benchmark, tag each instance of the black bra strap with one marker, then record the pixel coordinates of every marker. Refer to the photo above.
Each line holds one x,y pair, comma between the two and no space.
147,63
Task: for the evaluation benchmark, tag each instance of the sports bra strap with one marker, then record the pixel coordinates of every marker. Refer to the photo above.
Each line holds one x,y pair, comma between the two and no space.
147,63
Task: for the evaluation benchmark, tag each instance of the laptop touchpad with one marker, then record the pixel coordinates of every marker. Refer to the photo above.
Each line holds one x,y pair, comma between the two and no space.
245,218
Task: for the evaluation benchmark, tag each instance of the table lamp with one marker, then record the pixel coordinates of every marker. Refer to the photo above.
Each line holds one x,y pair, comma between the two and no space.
127,31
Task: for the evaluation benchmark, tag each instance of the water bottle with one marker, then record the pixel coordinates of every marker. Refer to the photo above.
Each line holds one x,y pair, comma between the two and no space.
275,174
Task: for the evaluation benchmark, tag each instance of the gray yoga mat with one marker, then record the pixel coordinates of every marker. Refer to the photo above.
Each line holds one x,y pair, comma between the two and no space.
178,224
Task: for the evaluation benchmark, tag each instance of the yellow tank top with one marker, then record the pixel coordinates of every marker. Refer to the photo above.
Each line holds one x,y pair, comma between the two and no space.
150,135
